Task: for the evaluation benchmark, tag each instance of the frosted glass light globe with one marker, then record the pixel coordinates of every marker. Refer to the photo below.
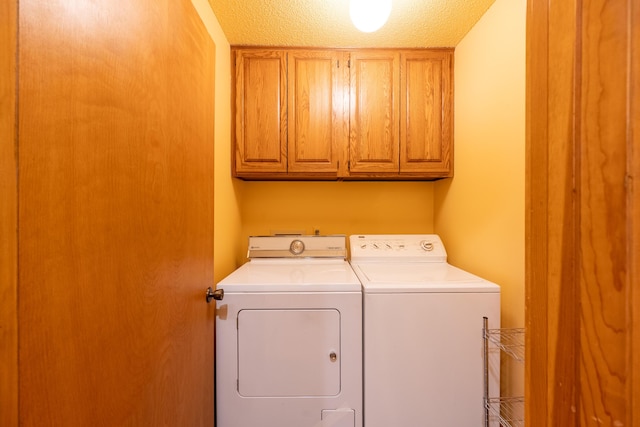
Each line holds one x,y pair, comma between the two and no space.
369,15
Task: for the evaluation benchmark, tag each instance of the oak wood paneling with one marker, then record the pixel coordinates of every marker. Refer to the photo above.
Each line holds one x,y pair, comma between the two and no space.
8,218
115,213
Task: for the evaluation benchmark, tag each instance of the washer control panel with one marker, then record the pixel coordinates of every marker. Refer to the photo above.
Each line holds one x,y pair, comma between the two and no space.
400,247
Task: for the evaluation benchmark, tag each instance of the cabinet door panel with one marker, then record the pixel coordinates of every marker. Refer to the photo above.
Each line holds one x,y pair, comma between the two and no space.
316,111
261,112
374,112
425,116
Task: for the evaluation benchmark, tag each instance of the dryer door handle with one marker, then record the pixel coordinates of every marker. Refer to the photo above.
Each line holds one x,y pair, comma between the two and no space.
217,295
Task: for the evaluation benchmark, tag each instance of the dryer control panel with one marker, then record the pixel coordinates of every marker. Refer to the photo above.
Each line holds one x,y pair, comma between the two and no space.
298,246
397,247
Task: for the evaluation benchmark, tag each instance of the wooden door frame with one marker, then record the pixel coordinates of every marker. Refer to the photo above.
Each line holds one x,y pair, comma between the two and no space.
582,214
8,217
548,252
633,388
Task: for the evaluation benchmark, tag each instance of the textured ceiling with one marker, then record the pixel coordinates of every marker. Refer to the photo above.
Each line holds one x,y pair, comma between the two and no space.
326,23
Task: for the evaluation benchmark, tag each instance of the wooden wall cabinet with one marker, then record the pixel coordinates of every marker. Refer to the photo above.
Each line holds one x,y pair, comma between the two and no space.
426,113
374,112
289,114
334,114
316,112
260,112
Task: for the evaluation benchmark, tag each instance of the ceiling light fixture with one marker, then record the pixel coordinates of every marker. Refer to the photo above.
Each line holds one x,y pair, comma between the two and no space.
369,15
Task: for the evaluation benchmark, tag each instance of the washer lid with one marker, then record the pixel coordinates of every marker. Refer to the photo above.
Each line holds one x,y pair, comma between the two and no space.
419,278
292,275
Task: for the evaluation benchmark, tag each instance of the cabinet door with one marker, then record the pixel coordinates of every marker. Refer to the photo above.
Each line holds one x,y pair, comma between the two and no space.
425,113
260,111
316,119
374,105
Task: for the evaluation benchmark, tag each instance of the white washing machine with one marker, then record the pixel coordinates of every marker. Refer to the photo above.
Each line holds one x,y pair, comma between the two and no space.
289,337
423,343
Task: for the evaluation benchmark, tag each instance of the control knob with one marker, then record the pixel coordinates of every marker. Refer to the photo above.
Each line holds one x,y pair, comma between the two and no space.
426,245
296,247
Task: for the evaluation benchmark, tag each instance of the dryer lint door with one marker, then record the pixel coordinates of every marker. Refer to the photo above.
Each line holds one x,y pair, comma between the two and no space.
292,352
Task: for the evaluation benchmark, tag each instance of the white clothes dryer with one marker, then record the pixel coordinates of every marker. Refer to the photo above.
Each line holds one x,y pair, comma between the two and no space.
289,336
423,342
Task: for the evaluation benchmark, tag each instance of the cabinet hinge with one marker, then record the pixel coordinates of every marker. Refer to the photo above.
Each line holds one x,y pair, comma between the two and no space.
338,63
349,165
349,63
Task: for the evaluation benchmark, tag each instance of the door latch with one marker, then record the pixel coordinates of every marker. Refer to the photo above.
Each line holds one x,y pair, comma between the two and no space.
217,295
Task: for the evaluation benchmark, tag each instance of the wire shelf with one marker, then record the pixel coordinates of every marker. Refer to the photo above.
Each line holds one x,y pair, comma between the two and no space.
509,410
511,341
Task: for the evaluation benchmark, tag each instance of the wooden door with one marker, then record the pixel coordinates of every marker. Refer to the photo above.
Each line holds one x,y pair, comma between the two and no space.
115,204
260,111
316,121
583,214
426,113
374,107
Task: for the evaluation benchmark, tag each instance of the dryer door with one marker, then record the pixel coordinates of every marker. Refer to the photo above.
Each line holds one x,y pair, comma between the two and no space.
292,352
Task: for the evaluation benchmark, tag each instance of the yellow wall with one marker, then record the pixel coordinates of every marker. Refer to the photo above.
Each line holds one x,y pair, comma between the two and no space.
336,207
227,224
480,212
